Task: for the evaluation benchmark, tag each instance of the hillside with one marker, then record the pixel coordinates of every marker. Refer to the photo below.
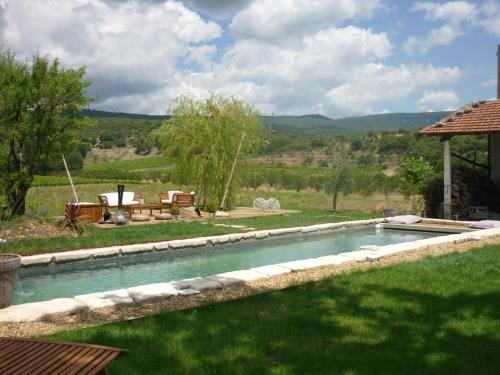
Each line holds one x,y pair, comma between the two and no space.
314,122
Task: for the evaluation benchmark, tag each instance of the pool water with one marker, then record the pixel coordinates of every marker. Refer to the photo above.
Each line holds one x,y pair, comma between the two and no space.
69,280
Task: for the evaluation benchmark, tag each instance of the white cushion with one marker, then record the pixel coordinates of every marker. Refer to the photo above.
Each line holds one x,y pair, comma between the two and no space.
166,201
172,192
404,219
128,198
485,224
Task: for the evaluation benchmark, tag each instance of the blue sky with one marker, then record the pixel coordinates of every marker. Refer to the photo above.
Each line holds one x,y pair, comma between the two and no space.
334,57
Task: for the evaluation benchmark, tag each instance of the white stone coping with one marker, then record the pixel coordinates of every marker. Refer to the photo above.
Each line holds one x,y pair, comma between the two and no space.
36,311
125,250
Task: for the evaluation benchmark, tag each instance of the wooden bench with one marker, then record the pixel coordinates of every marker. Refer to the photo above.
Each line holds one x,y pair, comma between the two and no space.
37,357
179,199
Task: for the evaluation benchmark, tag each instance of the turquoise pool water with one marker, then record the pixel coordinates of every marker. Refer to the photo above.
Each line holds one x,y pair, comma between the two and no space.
68,280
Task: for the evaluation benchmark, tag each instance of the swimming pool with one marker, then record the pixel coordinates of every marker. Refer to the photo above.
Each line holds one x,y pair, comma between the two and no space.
68,280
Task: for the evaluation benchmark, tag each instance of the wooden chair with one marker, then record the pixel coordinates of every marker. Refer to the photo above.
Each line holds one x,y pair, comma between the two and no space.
37,357
179,199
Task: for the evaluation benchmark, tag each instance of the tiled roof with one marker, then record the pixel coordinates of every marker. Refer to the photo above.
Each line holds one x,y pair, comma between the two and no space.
474,118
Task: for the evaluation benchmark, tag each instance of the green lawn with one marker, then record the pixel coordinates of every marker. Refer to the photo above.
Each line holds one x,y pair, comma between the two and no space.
98,237
436,316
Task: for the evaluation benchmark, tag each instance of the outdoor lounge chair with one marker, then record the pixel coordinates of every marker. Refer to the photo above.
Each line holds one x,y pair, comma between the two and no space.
110,200
179,198
29,356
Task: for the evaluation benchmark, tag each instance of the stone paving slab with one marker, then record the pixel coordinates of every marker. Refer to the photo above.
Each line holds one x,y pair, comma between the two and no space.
219,240
37,260
194,242
284,231
271,270
105,252
336,260
71,256
145,292
359,255
199,283
35,311
136,249
235,277
94,301
299,265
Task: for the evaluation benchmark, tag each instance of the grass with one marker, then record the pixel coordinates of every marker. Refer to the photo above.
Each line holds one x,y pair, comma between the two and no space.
436,316
97,237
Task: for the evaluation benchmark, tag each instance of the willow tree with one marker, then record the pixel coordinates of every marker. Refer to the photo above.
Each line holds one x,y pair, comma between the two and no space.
204,137
40,107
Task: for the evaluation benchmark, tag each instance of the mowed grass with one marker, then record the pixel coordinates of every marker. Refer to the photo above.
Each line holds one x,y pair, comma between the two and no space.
98,237
436,316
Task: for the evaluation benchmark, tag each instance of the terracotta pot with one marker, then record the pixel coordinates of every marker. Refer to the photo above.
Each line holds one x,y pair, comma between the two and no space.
9,263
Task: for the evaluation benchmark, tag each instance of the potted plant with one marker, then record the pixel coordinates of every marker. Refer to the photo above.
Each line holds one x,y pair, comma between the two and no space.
9,263
211,208
175,211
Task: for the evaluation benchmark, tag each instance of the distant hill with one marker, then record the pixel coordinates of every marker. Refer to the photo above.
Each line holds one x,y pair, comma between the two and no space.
389,121
316,122
99,114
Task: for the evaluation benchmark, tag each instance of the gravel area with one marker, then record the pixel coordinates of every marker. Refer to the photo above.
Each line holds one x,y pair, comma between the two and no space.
151,307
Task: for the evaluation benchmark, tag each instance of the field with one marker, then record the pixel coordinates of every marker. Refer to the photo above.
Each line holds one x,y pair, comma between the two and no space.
435,316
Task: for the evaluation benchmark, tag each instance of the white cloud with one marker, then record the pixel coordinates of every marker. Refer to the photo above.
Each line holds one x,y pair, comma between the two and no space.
454,14
127,46
142,54
489,17
438,101
378,83
335,71
278,19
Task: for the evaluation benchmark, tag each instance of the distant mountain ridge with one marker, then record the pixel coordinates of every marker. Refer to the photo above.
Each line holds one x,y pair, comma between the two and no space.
317,122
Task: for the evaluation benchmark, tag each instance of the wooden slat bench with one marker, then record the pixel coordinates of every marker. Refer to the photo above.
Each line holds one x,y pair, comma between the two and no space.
37,357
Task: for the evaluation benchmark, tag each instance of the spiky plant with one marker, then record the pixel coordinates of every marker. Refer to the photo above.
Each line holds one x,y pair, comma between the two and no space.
72,218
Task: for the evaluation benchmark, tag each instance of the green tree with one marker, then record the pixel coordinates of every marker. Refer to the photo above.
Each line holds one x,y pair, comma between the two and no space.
387,184
337,181
365,180
40,107
416,174
204,137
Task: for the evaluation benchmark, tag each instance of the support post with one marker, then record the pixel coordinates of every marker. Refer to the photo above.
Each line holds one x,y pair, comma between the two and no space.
222,204
447,179
69,178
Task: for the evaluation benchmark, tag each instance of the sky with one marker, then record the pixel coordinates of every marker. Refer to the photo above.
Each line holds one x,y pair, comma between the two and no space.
337,58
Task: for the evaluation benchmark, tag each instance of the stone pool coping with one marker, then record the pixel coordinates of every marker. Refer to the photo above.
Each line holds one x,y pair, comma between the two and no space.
173,245
39,311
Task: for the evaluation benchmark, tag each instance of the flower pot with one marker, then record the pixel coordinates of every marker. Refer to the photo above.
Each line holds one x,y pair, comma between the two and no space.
176,217
211,215
9,263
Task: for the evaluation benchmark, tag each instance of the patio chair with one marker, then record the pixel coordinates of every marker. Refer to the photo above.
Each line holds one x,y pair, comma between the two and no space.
178,198
30,356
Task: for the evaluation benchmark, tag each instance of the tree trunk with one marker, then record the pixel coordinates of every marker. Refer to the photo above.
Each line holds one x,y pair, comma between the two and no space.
17,199
334,201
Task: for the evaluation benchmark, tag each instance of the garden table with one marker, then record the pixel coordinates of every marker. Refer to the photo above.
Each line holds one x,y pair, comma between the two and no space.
37,357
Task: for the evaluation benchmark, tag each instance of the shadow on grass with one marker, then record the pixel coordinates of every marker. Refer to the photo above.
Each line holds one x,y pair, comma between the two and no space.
362,323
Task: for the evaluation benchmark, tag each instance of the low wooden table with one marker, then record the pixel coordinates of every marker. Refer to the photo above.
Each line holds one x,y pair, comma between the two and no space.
147,206
37,357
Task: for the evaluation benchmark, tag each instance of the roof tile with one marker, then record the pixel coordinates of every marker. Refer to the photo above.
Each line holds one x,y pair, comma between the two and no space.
474,118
